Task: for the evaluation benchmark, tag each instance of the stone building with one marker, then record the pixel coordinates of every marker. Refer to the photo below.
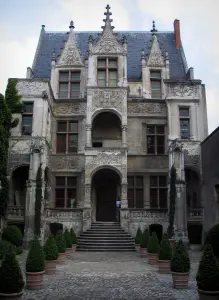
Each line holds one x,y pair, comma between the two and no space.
107,114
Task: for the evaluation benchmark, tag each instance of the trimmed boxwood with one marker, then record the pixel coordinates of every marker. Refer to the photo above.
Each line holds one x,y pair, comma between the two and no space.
50,249
212,238
180,261
6,247
144,239
11,278
68,239
73,237
19,250
153,244
207,277
13,235
138,236
36,258
165,252
60,242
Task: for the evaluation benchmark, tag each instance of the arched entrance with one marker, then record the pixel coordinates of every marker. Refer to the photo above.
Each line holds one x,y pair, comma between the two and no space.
19,189
158,229
105,193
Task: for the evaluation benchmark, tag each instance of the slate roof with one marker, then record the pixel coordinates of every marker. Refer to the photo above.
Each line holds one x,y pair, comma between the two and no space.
136,42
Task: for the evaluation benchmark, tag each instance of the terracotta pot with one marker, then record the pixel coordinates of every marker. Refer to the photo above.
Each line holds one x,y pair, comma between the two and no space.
15,296
34,280
172,243
207,295
137,247
143,252
50,267
180,280
61,258
164,266
68,252
74,247
153,258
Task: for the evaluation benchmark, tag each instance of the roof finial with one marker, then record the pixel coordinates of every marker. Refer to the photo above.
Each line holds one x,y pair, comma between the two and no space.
107,20
153,30
43,27
71,25
53,55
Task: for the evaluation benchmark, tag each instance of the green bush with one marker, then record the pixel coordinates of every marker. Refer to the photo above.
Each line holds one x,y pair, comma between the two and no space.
13,235
212,238
165,248
50,249
144,239
180,261
138,236
207,277
6,247
19,250
68,239
60,242
35,259
73,237
153,244
11,278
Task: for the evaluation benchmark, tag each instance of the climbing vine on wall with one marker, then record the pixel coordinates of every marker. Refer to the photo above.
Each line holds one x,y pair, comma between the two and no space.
38,202
172,201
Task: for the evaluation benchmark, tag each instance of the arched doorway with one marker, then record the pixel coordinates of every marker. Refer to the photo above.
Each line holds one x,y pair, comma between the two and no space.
193,189
106,191
19,189
158,229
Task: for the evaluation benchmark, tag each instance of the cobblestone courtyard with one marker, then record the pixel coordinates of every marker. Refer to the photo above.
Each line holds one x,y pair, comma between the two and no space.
106,276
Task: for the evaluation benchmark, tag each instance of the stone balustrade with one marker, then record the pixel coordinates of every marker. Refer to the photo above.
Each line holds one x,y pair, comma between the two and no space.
148,214
63,214
195,214
15,213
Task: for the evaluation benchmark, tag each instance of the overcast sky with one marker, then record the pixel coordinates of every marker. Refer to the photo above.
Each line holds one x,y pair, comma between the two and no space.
21,20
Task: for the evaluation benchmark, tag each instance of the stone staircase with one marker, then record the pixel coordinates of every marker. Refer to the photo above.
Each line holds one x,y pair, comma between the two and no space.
105,236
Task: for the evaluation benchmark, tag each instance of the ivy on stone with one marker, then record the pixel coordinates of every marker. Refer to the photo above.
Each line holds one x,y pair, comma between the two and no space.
38,202
172,201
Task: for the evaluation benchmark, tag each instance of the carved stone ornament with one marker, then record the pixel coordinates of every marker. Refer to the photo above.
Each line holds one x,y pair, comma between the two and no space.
155,215
107,46
37,146
17,159
147,108
182,90
54,214
66,162
69,108
155,58
174,145
32,87
108,99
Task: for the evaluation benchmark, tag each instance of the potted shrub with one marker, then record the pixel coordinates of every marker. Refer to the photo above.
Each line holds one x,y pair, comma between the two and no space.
165,255
61,245
68,241
11,278
51,253
144,243
180,266
74,239
207,277
153,249
6,247
35,265
13,234
212,238
138,239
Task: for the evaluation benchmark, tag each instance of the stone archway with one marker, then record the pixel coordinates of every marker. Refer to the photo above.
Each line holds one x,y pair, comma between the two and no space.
158,228
18,185
105,192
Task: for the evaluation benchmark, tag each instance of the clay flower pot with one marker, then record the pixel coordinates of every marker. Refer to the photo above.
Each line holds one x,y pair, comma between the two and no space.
172,243
207,295
61,258
74,247
153,258
164,266
68,252
137,247
34,280
180,280
50,267
143,252
15,296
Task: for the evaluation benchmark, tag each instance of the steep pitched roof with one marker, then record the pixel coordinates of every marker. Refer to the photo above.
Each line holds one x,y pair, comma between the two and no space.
137,40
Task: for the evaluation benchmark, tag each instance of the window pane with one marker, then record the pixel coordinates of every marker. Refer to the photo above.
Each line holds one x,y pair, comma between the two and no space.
162,181
27,120
155,74
139,203
72,181
160,129
139,181
163,198
112,78
151,129
63,90
101,63
61,143
160,144
151,144
153,181
71,197
101,78
184,112
73,127
28,107
60,197
130,181
62,126
112,63
64,76
75,76
130,198
75,90
184,128
155,89
60,181
72,143
153,198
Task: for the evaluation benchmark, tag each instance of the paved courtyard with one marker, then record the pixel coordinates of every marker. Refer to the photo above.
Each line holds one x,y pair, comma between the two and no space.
106,276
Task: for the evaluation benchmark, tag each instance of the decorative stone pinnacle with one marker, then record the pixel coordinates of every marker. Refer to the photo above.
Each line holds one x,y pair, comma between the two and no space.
142,53
43,27
107,20
124,39
153,30
90,39
71,25
54,55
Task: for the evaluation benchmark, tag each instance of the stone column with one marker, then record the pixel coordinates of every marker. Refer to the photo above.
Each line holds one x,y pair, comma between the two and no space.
87,217
124,135
29,212
124,201
88,135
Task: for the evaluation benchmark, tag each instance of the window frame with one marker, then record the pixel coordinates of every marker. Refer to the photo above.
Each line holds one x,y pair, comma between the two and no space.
107,70
135,188
27,114
69,83
184,118
67,133
156,79
66,188
156,135
158,187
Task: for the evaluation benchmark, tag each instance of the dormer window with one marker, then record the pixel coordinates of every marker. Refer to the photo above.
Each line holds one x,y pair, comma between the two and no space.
155,77
107,69
69,84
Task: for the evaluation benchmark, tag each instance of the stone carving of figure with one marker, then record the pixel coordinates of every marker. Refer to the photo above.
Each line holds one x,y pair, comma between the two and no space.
177,162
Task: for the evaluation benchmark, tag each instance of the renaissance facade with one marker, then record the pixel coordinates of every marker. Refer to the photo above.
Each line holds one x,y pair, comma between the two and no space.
106,115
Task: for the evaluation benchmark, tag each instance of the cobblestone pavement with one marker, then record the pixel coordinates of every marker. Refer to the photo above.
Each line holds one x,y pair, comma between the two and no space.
107,276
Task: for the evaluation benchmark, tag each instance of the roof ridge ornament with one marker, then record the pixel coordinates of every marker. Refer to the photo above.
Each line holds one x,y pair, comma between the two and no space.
107,20
71,26
153,30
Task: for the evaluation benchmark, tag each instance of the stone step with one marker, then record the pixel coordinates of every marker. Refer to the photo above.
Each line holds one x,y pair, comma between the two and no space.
107,243
105,238
131,247
115,234
105,230
105,250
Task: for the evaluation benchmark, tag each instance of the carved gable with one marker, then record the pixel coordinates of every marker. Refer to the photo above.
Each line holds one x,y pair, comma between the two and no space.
70,54
155,58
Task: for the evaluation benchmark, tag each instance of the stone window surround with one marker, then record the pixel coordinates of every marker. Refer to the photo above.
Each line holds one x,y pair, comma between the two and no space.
27,114
136,187
158,187
67,134
107,68
57,76
155,134
146,85
157,80
185,106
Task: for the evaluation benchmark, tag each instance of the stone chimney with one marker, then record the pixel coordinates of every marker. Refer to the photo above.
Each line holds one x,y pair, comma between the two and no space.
177,33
